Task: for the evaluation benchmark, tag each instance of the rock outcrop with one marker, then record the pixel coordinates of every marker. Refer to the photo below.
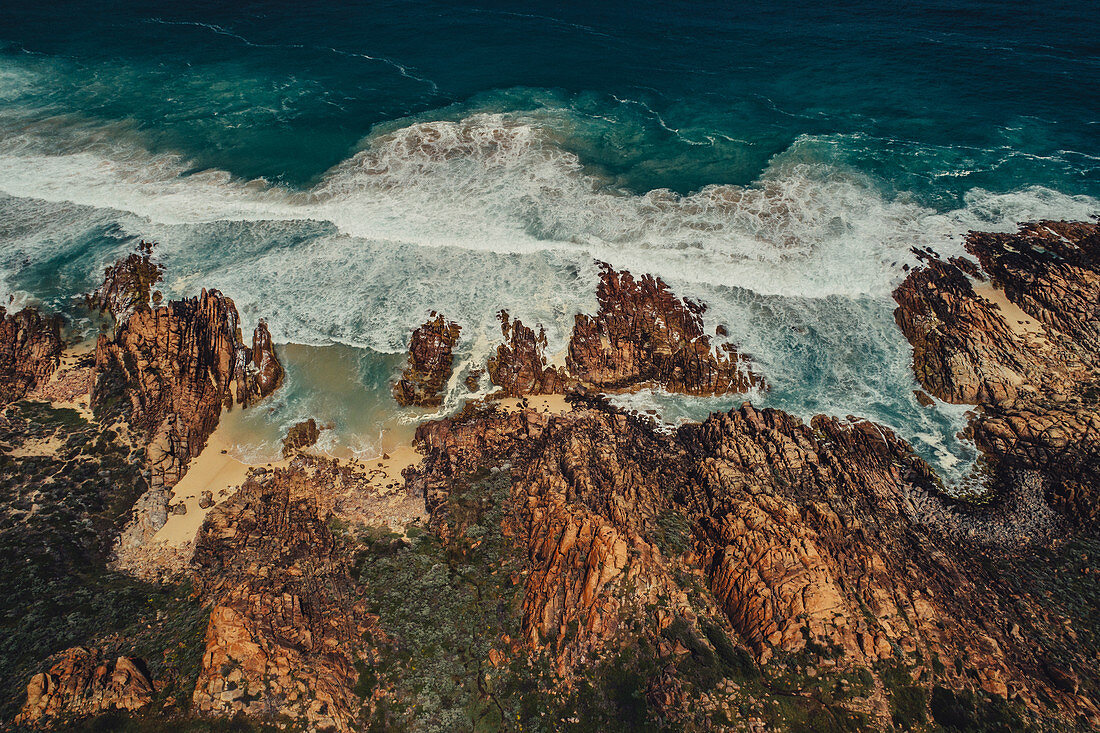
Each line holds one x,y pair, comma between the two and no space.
831,535
168,371
519,365
643,334
30,350
964,349
1051,270
430,363
179,365
82,684
301,435
1031,360
128,285
284,622
1043,336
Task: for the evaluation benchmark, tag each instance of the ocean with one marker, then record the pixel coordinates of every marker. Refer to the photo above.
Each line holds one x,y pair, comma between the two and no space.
343,169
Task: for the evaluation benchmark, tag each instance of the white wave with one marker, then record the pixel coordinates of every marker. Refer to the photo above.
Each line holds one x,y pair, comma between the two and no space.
491,211
500,183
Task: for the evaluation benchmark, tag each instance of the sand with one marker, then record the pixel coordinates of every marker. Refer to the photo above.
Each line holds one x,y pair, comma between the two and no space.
214,470
218,471
46,447
1020,322
552,403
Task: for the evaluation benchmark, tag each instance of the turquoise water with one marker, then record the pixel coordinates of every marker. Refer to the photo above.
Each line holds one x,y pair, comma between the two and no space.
345,169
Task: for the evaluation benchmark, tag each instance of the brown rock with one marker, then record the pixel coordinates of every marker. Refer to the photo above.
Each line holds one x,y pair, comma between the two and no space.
81,684
302,435
177,365
519,366
833,534
963,348
128,284
643,334
283,624
430,363
264,372
30,350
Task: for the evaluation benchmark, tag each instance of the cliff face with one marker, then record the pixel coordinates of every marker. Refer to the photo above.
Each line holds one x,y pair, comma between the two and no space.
30,350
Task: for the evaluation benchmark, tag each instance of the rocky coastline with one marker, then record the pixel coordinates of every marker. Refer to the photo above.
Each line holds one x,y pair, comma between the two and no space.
579,567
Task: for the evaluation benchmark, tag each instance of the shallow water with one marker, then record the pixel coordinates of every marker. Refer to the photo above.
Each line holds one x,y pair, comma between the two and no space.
342,171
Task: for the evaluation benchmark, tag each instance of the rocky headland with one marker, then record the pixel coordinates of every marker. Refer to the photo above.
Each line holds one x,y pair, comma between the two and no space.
583,567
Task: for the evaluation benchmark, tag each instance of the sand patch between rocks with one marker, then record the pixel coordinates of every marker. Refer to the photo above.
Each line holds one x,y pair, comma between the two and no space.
552,403
1020,322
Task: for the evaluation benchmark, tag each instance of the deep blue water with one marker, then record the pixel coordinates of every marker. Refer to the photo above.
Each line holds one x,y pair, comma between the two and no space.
345,168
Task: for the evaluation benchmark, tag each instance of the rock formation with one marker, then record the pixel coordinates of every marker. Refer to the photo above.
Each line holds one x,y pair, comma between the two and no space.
430,363
81,684
30,350
301,435
643,334
284,625
519,366
831,535
750,569
128,285
1051,270
970,349
169,371
1038,388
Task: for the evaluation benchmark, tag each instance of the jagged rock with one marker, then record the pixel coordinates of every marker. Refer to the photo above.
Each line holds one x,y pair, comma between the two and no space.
473,379
430,363
1051,270
170,371
30,350
643,334
1059,441
81,684
178,365
128,284
519,366
284,622
968,349
264,368
206,500
964,350
828,535
301,435
1038,393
